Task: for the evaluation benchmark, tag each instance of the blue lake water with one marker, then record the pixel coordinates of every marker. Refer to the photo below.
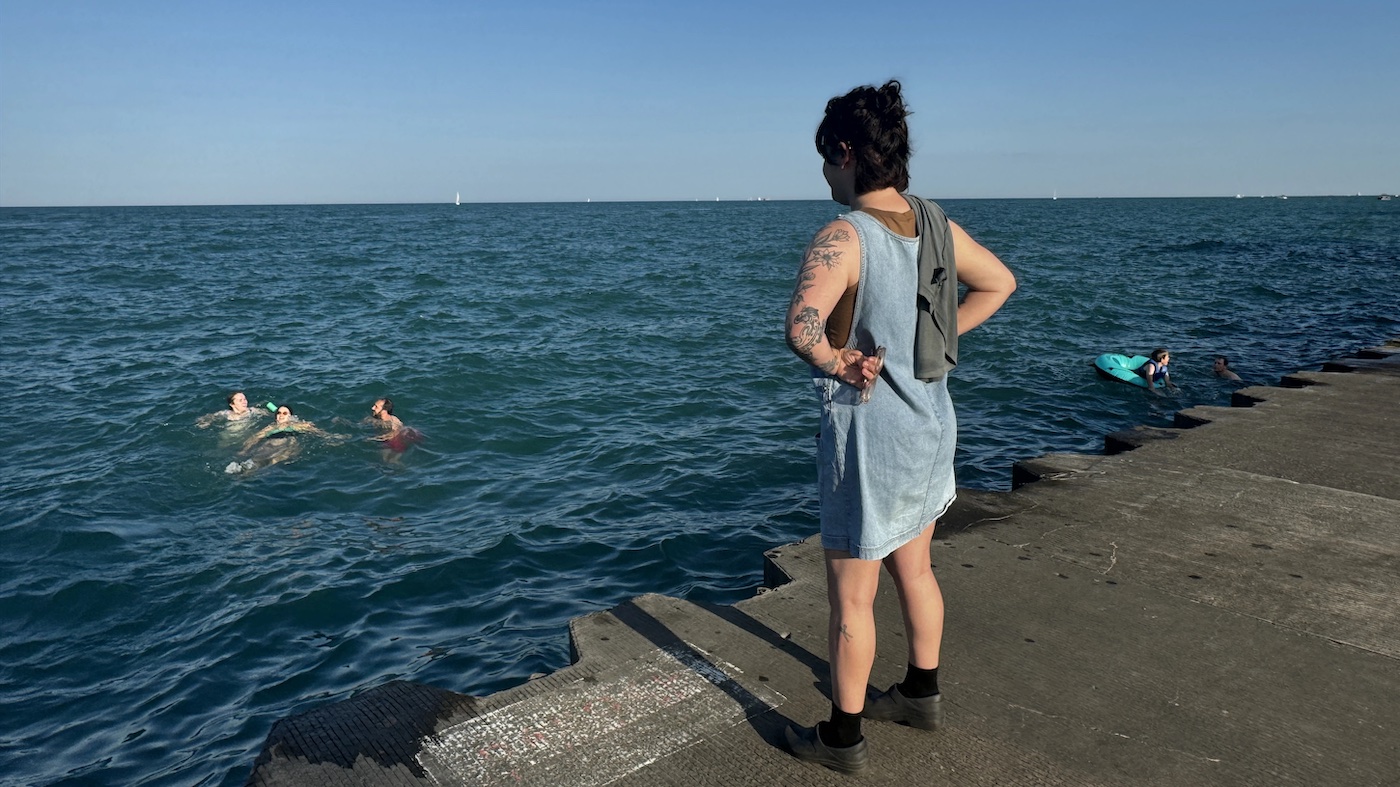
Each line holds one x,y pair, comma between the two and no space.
608,410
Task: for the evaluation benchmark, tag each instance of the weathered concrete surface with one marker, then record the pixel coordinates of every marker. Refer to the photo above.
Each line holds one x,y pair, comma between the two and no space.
1218,608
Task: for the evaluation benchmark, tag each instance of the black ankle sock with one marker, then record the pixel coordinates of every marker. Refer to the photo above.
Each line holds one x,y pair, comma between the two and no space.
919,683
843,730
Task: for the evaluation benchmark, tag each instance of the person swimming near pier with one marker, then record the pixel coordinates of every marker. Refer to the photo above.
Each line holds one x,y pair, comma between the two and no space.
382,414
1223,371
238,410
275,443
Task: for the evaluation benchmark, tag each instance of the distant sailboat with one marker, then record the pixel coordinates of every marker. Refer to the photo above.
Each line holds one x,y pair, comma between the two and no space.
1055,194
459,198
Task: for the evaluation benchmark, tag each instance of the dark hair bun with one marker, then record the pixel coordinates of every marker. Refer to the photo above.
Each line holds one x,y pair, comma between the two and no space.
890,103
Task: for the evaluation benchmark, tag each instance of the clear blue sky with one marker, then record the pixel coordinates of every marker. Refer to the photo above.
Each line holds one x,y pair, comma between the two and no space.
134,102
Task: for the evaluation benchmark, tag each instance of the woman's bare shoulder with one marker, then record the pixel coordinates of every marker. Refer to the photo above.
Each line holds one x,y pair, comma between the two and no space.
831,243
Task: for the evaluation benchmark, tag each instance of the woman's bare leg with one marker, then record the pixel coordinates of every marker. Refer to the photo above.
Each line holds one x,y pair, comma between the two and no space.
850,587
920,599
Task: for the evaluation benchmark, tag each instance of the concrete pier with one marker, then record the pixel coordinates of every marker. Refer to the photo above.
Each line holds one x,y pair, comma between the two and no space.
1217,604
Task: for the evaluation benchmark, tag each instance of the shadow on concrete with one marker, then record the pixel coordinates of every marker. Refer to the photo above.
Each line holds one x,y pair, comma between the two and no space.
765,719
821,671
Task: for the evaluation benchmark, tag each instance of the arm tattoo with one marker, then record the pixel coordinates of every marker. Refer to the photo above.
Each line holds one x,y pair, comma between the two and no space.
822,250
811,329
804,283
846,635
808,328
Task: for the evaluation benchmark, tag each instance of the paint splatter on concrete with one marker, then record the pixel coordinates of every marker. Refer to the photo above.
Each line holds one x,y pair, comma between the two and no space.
597,731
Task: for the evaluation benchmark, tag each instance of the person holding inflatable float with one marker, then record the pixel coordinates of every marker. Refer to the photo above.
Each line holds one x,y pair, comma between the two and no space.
1144,371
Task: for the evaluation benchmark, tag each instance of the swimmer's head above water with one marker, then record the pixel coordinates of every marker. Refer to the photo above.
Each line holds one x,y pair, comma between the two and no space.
237,402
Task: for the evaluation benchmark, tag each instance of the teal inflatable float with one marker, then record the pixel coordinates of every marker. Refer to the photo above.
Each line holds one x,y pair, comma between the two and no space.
1123,368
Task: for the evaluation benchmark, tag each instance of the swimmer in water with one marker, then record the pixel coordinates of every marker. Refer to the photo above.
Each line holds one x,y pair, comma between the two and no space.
382,414
1223,371
238,410
394,434
275,443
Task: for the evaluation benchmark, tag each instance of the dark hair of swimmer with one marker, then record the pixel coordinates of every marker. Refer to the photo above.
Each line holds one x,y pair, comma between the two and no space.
230,397
286,407
1158,354
1222,359
870,121
388,405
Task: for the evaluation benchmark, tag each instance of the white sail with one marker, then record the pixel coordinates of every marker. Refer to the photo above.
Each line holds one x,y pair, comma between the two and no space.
459,198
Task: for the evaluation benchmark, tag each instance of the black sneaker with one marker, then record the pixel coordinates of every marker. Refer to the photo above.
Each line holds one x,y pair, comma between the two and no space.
926,713
805,744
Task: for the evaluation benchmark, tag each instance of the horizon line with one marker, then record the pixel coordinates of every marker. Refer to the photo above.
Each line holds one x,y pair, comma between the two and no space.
631,201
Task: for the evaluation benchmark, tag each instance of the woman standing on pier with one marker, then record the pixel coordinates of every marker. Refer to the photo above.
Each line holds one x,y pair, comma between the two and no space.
885,452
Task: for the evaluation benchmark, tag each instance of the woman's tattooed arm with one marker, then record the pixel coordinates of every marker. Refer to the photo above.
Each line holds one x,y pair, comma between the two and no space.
820,277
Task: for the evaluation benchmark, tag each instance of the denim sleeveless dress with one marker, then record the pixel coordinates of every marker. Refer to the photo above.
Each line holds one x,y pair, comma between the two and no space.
884,467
